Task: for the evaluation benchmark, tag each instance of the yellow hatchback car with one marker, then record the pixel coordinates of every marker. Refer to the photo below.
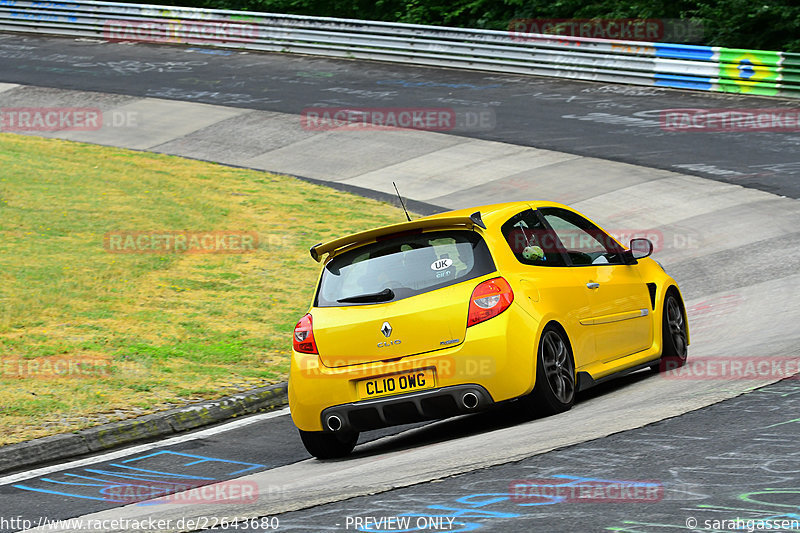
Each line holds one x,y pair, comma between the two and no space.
452,313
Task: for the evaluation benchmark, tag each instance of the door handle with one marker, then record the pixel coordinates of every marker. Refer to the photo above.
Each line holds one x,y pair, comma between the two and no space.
592,285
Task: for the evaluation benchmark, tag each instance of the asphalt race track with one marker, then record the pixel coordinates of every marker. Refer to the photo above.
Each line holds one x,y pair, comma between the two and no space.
735,459
269,441
723,205
613,122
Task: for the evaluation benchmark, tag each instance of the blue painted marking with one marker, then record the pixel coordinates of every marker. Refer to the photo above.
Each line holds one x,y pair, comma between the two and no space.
551,501
684,51
472,513
57,482
211,52
496,497
54,5
44,18
138,477
585,479
683,82
746,69
784,516
108,486
152,491
201,459
105,486
34,489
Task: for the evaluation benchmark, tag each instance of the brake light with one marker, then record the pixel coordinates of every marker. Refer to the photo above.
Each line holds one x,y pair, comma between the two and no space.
303,340
488,300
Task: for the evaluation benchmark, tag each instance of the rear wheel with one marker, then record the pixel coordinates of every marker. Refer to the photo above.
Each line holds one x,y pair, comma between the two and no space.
325,445
554,391
674,338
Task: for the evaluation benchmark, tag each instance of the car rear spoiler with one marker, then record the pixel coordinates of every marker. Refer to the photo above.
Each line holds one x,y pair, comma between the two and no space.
318,250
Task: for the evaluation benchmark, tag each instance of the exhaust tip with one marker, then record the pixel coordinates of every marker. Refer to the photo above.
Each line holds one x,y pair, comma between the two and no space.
470,400
334,423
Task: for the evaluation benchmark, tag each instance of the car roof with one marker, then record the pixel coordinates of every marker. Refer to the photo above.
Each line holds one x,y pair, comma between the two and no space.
480,216
492,212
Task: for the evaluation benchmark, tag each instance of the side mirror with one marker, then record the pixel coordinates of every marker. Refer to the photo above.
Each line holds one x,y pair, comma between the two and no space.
641,248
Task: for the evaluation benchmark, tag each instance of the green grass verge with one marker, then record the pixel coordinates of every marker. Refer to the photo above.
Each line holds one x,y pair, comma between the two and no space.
147,331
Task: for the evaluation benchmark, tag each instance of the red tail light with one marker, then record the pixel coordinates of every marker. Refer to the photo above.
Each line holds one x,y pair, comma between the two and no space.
303,340
488,300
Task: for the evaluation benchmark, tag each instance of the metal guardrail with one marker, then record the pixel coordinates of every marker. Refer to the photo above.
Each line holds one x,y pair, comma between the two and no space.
633,62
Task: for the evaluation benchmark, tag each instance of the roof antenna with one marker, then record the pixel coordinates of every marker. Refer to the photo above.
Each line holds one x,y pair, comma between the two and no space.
401,201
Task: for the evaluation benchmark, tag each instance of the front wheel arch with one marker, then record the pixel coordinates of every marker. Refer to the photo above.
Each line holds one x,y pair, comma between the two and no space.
545,398
674,352
674,291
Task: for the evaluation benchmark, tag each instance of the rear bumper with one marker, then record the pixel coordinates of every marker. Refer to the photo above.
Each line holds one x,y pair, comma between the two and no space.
497,355
407,408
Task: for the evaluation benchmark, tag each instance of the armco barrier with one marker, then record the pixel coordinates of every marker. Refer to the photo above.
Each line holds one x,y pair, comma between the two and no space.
634,62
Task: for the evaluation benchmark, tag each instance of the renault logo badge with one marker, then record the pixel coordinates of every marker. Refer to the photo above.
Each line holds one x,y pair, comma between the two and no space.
386,329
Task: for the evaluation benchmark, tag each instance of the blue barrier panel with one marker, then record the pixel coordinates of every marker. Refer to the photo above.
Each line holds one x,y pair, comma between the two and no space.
683,82
685,51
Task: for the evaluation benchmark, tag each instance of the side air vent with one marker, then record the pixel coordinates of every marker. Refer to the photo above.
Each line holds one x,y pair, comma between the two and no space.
652,288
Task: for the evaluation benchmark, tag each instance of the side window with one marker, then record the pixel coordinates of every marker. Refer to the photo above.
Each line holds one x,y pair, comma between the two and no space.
531,242
585,243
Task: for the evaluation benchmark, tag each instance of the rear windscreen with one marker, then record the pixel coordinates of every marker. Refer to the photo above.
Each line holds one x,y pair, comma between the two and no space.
403,266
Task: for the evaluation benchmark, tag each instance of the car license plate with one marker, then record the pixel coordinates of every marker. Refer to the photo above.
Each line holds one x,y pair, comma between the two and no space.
397,384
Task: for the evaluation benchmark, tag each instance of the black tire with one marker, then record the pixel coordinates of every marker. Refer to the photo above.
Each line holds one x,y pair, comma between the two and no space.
325,445
673,335
555,387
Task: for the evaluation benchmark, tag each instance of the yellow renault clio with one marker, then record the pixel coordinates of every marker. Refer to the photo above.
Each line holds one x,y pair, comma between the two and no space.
452,313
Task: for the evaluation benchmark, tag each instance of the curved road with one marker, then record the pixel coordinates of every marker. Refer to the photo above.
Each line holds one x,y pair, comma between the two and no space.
612,122
734,250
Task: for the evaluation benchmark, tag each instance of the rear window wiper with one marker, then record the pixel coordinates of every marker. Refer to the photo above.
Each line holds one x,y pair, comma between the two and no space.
384,296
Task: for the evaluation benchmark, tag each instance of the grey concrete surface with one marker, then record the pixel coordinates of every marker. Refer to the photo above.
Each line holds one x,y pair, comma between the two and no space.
7,86
153,122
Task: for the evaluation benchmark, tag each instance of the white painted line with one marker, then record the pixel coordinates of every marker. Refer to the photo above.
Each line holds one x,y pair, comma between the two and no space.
143,447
